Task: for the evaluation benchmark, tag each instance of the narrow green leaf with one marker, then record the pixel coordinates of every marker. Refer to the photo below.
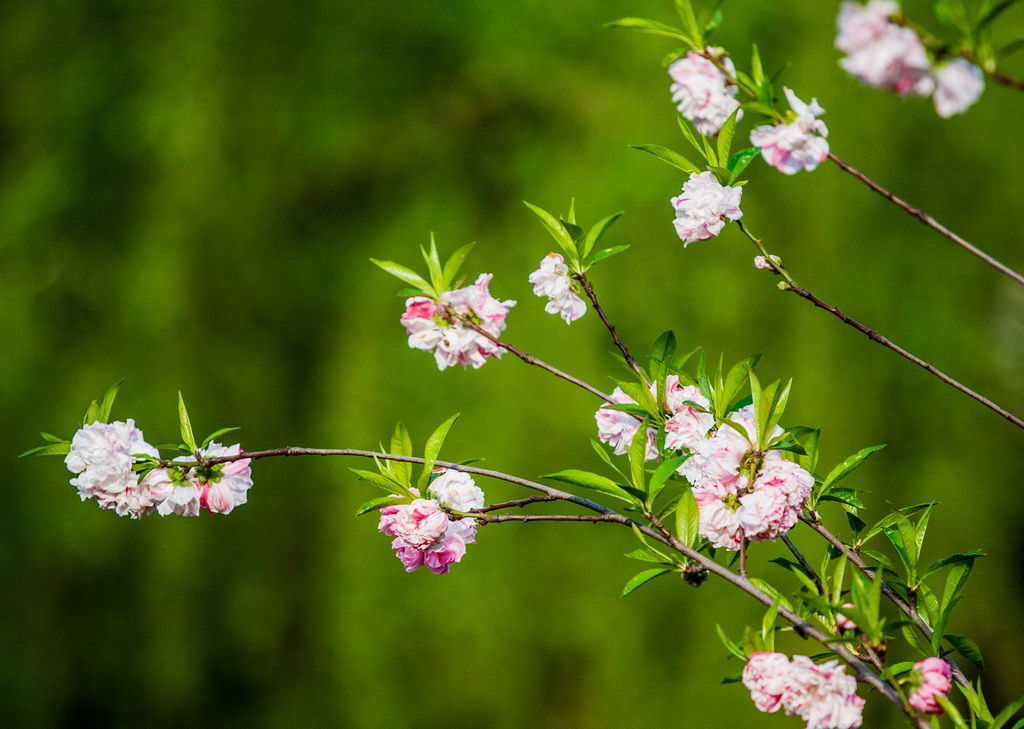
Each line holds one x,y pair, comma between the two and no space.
595,234
730,646
404,274
951,711
51,449
916,640
939,625
380,502
433,447
643,578
667,155
401,445
645,555
687,518
592,481
607,253
187,436
637,456
685,10
725,135
666,469
92,414
217,434
994,13
557,231
756,69
108,402
453,264
600,450
642,25
848,466
685,128
799,572
955,581
376,479
952,559
844,496
768,625
739,162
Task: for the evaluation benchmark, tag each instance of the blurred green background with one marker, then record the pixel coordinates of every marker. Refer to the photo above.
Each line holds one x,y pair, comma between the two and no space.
189,193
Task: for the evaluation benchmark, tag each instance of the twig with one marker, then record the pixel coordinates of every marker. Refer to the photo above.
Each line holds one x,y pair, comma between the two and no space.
893,596
498,518
588,289
928,220
791,285
803,563
516,504
658,532
526,357
1002,78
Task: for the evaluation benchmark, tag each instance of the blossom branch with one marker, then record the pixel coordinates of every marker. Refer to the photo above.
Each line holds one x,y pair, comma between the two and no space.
588,289
854,556
928,220
1002,78
791,285
498,518
525,356
516,504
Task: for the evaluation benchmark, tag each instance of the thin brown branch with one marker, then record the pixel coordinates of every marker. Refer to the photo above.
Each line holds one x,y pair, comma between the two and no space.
928,220
875,336
1002,78
892,595
527,357
498,518
804,563
658,532
588,289
516,504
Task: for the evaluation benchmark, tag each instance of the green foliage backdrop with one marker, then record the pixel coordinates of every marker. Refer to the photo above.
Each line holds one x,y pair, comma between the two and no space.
189,195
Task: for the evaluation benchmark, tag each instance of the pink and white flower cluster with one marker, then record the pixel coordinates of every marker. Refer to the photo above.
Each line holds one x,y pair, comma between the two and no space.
704,206
686,423
799,143
552,280
744,494
431,328
424,534
703,93
931,678
103,456
823,695
886,55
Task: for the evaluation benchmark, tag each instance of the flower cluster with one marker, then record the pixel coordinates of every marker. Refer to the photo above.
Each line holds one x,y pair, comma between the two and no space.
886,55
424,535
552,280
744,493
104,455
704,93
431,326
799,143
686,423
704,206
823,695
930,679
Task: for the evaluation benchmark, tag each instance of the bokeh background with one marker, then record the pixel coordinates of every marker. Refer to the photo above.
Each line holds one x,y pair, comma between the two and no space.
189,195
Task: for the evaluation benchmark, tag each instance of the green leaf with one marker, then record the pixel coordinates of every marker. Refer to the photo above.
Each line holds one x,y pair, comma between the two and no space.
607,253
646,555
666,469
994,13
734,380
799,571
92,414
401,445
951,711
687,518
637,454
685,10
380,502
955,581
376,479
756,69
730,646
404,274
187,436
108,402
557,230
725,136
595,233
642,25
453,264
844,496
952,559
599,449
592,481
739,161
51,449
643,578
218,433
684,127
433,447
847,467
667,155
916,640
